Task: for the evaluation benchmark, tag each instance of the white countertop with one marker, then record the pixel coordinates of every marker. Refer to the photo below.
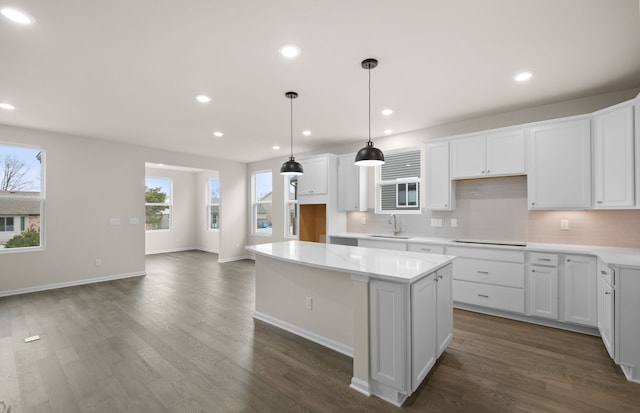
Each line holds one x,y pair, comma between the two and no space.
616,256
397,266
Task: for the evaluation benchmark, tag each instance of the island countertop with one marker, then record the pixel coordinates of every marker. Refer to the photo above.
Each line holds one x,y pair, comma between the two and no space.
396,266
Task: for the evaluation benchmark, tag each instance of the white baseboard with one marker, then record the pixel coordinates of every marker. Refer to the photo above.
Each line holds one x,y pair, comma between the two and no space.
208,250
327,342
242,257
70,283
360,386
170,250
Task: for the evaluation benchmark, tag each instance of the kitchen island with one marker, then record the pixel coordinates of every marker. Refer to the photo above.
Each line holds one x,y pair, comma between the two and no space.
389,310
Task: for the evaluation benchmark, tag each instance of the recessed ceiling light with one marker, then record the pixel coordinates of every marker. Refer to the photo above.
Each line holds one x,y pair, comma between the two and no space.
522,77
203,98
17,16
386,112
275,147
388,131
306,132
218,134
7,106
289,50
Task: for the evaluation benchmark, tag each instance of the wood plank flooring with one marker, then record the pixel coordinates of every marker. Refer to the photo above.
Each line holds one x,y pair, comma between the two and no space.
182,339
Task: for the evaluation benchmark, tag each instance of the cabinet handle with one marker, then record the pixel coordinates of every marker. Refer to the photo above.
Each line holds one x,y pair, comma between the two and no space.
440,276
544,259
483,295
603,272
483,272
425,249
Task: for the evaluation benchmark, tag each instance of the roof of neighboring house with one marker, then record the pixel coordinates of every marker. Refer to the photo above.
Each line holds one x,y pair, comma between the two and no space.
30,205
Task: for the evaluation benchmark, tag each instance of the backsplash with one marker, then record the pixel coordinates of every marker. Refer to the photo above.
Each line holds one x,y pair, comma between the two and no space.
496,209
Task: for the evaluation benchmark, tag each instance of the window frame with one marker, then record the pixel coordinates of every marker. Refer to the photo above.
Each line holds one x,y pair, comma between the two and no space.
255,203
287,205
169,205
212,204
41,198
379,183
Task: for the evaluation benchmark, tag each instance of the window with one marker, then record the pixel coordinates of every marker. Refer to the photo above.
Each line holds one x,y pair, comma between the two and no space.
21,197
398,182
262,205
157,203
291,206
214,204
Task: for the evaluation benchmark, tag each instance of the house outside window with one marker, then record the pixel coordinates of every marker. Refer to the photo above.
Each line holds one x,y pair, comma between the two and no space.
398,182
262,203
291,209
158,204
21,197
214,204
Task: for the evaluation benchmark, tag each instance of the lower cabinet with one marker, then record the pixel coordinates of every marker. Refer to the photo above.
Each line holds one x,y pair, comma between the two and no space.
606,309
580,290
385,245
410,326
542,292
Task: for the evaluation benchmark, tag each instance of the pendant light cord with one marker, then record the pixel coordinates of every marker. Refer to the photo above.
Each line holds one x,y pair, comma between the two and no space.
291,129
369,70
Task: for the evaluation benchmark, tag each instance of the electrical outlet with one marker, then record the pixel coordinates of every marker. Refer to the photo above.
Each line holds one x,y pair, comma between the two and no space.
114,221
564,225
454,222
134,221
436,222
307,303
364,220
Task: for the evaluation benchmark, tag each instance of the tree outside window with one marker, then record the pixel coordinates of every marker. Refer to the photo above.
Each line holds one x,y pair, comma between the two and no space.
214,204
157,204
262,204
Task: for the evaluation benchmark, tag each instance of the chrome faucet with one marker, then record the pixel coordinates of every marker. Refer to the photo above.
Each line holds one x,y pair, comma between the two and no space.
393,220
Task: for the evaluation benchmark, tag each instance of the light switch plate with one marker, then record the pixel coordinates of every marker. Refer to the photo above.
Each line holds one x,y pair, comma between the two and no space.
564,225
114,221
436,222
454,222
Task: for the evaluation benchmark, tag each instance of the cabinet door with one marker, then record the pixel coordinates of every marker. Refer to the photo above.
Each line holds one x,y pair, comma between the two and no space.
613,159
437,181
543,292
580,290
444,313
505,153
351,185
388,333
559,165
314,180
605,314
468,157
423,324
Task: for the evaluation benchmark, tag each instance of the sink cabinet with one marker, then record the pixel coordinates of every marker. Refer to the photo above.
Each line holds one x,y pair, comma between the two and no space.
383,244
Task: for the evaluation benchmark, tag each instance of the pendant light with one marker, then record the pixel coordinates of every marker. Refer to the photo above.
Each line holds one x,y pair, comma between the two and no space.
369,156
291,167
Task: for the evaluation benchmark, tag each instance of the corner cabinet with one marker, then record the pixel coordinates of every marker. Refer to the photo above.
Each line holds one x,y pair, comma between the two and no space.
494,154
352,184
439,188
559,163
614,167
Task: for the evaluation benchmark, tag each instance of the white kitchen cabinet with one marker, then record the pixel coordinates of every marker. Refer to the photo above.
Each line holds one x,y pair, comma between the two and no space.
352,185
627,327
423,322
580,290
315,178
426,248
385,245
439,188
494,154
559,165
614,169
542,292
606,311
444,311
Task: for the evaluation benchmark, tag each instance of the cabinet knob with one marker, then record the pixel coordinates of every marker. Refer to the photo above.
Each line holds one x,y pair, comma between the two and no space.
532,270
603,272
533,203
483,171
446,205
598,202
488,171
607,293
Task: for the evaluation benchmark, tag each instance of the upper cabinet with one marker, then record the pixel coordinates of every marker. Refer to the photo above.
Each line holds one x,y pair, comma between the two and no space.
559,162
493,154
314,180
352,184
614,168
438,184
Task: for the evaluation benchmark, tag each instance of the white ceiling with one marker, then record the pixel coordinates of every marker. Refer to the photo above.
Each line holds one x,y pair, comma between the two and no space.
129,70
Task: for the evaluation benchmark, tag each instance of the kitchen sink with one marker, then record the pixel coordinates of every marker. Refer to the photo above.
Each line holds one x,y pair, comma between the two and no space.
389,236
504,244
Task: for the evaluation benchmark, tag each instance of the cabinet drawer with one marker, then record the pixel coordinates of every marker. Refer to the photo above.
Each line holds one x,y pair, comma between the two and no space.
487,254
539,258
428,248
492,296
507,274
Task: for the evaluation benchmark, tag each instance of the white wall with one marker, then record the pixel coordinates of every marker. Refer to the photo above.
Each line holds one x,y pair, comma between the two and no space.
89,181
207,239
182,235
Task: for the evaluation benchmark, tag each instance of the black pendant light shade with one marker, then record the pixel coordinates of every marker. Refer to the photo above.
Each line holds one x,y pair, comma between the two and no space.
291,167
369,155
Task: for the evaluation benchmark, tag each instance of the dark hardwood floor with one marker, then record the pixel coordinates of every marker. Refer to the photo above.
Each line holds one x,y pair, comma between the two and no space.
182,339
